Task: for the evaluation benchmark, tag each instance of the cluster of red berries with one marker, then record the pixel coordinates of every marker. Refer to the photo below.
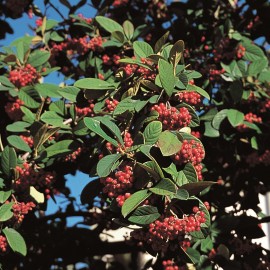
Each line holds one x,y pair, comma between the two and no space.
191,151
189,97
3,244
110,105
22,209
145,72
251,118
121,199
28,140
265,106
22,76
86,111
73,156
81,46
169,265
87,20
240,51
220,51
107,60
13,109
39,22
128,142
119,3
215,74
28,176
118,182
196,134
170,227
171,117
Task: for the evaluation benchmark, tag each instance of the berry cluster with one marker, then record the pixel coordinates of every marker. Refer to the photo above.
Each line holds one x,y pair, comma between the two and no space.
221,50
196,134
171,228
118,182
28,176
73,156
87,20
191,151
110,105
13,110
251,118
78,46
215,74
22,209
172,118
119,3
128,142
22,76
107,60
121,199
28,140
3,244
191,98
169,265
86,111
240,51
39,22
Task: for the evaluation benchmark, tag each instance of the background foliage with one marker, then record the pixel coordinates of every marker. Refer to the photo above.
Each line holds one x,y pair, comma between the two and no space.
166,104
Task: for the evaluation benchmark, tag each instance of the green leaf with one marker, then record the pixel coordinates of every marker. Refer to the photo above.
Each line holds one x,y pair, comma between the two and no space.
4,195
58,107
5,212
195,188
8,160
52,118
199,90
176,52
30,98
15,240
219,117
38,58
106,164
206,244
210,131
169,143
18,126
128,29
5,81
60,148
69,92
152,132
166,76
181,179
194,255
235,117
257,66
181,194
164,187
134,201
144,215
142,49
109,24
124,105
94,126
118,36
253,52
94,84
28,115
254,143
18,143
48,90
190,173
161,42
38,196
112,127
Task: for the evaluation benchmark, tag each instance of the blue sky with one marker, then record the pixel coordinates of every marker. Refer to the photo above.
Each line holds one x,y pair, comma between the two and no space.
21,28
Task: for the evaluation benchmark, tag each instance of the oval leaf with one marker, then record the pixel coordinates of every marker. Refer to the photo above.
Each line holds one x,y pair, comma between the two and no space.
144,215
152,132
105,165
169,143
164,187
